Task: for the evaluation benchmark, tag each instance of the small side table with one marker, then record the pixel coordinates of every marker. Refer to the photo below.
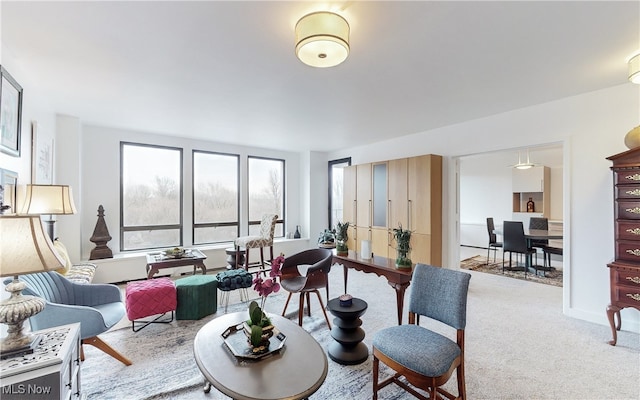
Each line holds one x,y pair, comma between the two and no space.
232,253
348,348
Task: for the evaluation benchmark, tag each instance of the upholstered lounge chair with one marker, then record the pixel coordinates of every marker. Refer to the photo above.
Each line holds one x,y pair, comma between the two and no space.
97,307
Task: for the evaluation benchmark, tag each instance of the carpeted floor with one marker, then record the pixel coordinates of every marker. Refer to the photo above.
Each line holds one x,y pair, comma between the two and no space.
479,263
519,346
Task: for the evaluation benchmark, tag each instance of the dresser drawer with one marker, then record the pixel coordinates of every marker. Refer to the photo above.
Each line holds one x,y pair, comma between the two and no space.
628,251
626,278
628,230
627,176
628,209
626,295
628,192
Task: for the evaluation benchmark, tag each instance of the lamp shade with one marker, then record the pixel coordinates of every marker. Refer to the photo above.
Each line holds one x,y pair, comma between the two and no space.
48,199
634,69
25,248
322,39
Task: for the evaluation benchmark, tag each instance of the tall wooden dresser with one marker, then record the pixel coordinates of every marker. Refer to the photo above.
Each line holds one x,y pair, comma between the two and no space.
624,271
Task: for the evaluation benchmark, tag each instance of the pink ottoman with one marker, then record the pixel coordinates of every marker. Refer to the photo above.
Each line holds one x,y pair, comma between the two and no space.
150,297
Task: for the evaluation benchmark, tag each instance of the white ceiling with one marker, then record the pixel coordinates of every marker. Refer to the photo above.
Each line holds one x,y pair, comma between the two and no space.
227,72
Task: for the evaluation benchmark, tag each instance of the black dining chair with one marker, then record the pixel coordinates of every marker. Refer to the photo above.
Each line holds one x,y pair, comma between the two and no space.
514,241
493,240
539,223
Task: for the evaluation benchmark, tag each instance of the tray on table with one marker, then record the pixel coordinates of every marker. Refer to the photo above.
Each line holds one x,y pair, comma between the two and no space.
236,340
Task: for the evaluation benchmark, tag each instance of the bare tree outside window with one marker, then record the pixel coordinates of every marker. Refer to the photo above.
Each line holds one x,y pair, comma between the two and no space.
151,196
215,197
266,192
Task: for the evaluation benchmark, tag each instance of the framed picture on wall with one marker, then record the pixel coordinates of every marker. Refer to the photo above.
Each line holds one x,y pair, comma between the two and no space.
41,155
10,113
8,183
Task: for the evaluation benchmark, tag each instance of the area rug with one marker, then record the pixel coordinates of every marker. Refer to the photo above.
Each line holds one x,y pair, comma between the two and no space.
519,346
164,366
479,263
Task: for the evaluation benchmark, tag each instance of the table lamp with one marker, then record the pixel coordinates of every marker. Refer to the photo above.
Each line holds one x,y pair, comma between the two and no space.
25,249
48,199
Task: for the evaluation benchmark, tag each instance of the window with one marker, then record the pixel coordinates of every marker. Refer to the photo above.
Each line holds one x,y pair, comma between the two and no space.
266,192
336,190
150,196
215,197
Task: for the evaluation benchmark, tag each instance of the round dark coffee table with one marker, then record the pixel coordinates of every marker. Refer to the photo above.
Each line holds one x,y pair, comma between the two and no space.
348,348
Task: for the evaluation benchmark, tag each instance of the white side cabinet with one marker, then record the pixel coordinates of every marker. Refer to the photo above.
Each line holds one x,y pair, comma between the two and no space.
51,372
531,184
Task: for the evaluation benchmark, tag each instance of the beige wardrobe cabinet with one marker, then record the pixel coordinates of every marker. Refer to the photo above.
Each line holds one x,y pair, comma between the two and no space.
387,194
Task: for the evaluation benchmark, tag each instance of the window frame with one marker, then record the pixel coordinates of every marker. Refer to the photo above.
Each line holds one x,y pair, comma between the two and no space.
281,218
195,225
331,163
136,228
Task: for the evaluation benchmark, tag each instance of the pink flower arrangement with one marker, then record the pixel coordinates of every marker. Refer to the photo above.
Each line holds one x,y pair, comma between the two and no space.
265,287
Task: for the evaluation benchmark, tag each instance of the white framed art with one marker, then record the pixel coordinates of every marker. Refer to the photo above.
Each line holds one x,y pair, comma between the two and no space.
41,155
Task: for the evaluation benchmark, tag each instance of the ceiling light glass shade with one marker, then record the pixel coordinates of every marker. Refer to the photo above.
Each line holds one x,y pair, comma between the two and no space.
48,199
322,39
634,69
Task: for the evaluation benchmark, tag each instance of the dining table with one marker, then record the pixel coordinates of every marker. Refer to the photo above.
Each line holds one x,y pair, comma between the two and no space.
535,234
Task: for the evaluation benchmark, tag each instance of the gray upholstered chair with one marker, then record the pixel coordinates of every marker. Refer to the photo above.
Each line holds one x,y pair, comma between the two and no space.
265,239
424,358
316,276
97,307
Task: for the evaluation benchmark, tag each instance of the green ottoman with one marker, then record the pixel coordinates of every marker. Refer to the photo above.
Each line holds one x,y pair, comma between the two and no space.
197,296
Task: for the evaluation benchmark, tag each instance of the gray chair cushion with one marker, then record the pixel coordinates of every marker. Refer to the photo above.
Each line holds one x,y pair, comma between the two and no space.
419,349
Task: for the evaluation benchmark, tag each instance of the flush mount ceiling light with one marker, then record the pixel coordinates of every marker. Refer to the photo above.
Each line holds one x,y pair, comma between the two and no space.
634,69
322,39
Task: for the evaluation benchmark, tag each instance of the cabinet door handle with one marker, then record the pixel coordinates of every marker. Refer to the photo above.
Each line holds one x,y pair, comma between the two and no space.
409,214
355,212
370,214
389,213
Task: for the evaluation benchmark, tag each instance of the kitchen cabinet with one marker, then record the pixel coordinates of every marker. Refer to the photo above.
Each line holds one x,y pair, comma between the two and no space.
349,194
531,184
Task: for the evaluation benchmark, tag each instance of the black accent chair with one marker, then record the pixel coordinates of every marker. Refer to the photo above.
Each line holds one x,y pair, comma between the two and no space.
493,240
516,242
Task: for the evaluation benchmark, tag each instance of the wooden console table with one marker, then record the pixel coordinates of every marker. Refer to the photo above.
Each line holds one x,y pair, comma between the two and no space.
399,279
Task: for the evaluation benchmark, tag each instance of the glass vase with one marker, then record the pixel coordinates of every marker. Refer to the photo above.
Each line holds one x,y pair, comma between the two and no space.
403,258
341,247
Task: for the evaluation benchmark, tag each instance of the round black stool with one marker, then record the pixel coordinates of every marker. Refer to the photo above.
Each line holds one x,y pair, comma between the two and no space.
348,348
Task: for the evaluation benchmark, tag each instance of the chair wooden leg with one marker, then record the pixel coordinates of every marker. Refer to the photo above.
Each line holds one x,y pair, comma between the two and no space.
100,345
286,304
308,295
300,308
324,311
376,365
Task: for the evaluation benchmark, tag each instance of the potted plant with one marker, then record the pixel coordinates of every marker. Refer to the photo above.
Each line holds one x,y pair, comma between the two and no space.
258,327
403,246
327,239
341,238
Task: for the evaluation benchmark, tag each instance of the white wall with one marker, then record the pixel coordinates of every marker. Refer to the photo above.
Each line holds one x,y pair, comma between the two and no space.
91,162
591,127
